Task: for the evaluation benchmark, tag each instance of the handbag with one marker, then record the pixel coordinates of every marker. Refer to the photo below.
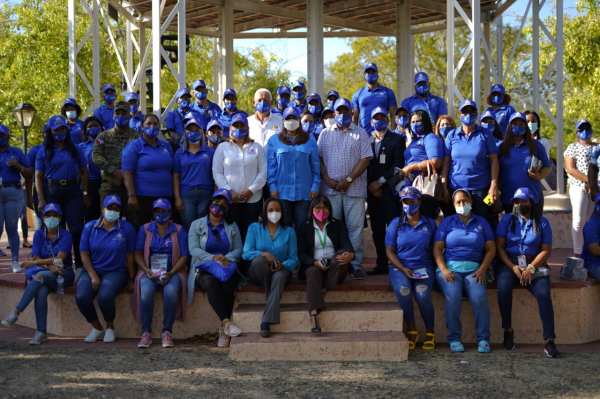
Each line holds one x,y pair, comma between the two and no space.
217,270
430,185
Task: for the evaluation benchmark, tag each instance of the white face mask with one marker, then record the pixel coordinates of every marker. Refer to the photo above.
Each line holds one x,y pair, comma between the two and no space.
330,122
274,217
291,124
463,210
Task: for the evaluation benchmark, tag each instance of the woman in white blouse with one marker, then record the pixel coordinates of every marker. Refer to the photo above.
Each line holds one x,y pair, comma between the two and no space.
240,166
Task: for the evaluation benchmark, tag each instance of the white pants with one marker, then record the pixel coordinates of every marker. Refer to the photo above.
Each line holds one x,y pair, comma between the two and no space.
583,207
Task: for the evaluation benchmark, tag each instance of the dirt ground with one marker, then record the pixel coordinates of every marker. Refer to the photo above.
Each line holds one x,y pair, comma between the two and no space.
201,371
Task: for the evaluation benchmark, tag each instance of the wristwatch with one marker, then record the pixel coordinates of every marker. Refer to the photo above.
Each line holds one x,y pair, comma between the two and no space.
349,179
531,269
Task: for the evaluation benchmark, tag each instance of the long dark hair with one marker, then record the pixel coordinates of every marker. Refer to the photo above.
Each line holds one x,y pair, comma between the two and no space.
425,120
316,201
539,123
302,135
263,214
508,142
497,133
49,145
87,121
533,215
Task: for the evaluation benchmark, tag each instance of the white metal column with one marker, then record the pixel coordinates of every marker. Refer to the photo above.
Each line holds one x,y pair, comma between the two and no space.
404,50
142,66
226,45
476,59
559,95
486,67
217,90
72,50
535,53
156,57
450,56
181,43
314,43
129,55
499,49
95,56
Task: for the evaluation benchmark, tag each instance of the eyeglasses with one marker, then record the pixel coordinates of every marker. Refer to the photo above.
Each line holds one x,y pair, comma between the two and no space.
216,234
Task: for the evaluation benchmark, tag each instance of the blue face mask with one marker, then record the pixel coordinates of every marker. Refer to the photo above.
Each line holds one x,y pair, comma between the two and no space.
217,210
380,125
263,106
518,131
194,136
308,127
201,95
283,102
134,108
4,142
239,134
343,120
468,119
417,128
93,132
422,90
111,216
214,139
151,131
497,100
230,106
122,121
402,121
59,137
315,110
184,104
489,127
162,218
411,209
300,95
371,78
445,131
51,222
109,98
586,134
330,104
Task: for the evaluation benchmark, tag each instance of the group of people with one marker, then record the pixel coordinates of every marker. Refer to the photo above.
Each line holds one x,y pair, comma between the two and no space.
221,197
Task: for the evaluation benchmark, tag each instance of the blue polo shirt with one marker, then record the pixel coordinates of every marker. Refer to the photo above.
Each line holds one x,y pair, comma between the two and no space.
434,105
300,107
464,243
135,122
32,154
225,119
503,115
44,248
75,129
591,235
277,111
151,167
366,100
524,240
195,169
62,166
93,171
108,249
318,128
164,244
214,246
10,174
175,120
423,148
283,246
105,114
469,158
212,111
513,171
412,244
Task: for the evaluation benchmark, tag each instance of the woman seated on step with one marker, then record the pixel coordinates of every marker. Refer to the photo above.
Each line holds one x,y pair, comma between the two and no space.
464,248
325,251
524,244
216,247
51,254
591,245
271,247
408,244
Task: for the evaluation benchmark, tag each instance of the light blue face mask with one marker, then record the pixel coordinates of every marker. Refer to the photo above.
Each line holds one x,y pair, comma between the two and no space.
111,216
51,222
463,210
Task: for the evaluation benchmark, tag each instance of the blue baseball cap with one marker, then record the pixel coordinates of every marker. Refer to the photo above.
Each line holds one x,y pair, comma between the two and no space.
223,193
71,101
370,65
193,121
410,192
342,102
421,77
378,110
467,103
52,207
4,129
182,92
284,90
214,122
291,111
326,109
300,85
131,96
228,92
162,203
240,117
112,200
198,83
57,121
333,93
399,109
582,122
522,193
517,115
488,114
498,88
108,86
313,96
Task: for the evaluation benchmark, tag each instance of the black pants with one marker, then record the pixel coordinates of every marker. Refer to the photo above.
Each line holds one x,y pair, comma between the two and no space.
144,213
94,211
244,214
381,211
220,294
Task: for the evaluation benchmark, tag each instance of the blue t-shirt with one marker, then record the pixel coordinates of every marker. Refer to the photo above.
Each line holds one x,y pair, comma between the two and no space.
175,121
43,248
135,122
106,115
164,244
212,111
513,171
225,119
93,171
10,174
434,105
62,166
300,107
213,245
470,164
464,243
108,249
151,167
75,129
423,148
524,240
412,244
591,235
32,154
503,115
195,169
366,100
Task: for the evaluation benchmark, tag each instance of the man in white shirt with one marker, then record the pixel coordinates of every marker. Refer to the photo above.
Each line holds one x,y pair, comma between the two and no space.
263,124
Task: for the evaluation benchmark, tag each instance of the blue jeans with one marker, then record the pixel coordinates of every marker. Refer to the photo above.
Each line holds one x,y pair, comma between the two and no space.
111,285
194,202
11,207
39,290
170,301
477,294
296,212
352,209
404,287
70,200
506,281
594,272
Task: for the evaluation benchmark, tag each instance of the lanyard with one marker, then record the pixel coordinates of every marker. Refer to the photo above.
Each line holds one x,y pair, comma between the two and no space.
523,235
322,239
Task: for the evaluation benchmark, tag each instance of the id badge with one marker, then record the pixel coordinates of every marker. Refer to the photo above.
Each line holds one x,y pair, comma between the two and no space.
382,158
522,261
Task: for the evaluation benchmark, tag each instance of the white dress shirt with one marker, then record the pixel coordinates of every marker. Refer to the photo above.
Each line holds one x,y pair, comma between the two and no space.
240,169
261,132
329,250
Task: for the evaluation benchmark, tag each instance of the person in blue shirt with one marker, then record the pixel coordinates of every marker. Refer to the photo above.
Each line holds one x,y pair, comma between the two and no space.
591,244
31,156
229,110
524,245
408,245
107,247
147,169
464,249
300,91
214,134
106,111
489,124
175,118
515,155
307,122
272,251
423,99
137,116
72,111
499,103
315,107
92,127
201,104
371,96
332,97
284,94
51,254
293,168
60,174
471,163
402,119
193,182
160,244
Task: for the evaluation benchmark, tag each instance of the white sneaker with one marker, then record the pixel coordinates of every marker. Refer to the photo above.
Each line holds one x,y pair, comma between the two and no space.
223,339
231,329
109,335
94,335
16,267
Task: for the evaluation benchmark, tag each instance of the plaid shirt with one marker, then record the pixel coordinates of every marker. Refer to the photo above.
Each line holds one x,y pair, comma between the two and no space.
341,152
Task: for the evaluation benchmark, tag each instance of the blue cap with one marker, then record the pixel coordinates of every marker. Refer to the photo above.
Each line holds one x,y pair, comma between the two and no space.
57,121
240,117
342,102
162,203
582,122
182,92
284,90
400,108
370,65
522,193
498,88
488,114
131,96
326,109
223,193
467,103
71,101
333,93
193,121
517,115
214,122
597,198
4,129
291,111
421,77
52,207
313,96
228,92
108,86
112,200
410,192
300,85
198,83
378,110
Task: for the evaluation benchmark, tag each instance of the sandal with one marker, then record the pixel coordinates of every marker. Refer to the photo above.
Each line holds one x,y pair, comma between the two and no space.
316,329
430,344
456,347
411,344
484,347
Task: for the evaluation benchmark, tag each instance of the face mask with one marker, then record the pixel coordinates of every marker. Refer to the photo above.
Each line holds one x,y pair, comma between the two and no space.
489,127
315,110
586,134
402,121
291,124
518,131
411,209
184,104
523,209
122,121
330,104
109,98
308,127
445,131
321,216
422,90
59,137
371,78
380,125
93,132
239,134
300,95
230,106
263,106
463,210
134,108
162,218
201,95
283,102
497,100
274,217
217,210
4,142
194,136
51,222
214,139
111,216
417,128
329,122
72,115
151,131
468,119
343,120
533,127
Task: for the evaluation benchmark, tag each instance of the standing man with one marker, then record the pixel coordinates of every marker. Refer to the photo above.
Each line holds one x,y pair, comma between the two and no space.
263,124
300,94
373,95
284,94
202,104
345,153
423,99
136,114
382,176
106,111
229,110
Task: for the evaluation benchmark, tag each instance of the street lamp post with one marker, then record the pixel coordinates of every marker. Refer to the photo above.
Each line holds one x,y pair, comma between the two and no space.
24,114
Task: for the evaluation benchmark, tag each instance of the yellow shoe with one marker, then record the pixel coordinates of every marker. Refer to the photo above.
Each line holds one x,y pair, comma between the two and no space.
411,344
430,344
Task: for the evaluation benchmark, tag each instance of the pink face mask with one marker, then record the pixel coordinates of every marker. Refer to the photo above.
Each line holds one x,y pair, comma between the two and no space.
321,215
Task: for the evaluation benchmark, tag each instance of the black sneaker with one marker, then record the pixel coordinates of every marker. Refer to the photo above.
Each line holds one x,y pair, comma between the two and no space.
358,274
550,349
509,340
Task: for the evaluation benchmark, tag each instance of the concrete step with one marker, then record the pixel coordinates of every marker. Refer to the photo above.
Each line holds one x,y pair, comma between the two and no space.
328,346
337,317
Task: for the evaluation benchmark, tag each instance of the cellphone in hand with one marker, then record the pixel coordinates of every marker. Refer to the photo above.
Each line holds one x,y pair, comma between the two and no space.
324,262
488,200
